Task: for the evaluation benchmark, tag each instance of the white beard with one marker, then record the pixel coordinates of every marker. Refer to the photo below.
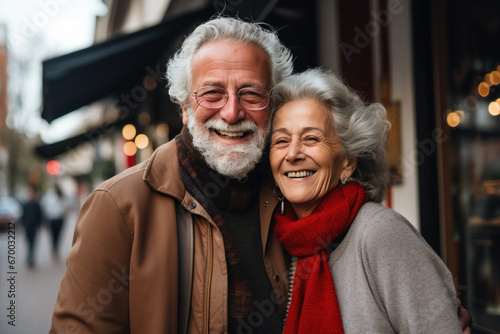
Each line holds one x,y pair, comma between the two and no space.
235,161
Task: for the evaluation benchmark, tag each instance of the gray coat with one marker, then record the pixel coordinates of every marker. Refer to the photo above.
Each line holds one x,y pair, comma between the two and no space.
389,280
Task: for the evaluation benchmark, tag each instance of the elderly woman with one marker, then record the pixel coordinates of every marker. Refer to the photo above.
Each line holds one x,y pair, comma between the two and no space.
328,159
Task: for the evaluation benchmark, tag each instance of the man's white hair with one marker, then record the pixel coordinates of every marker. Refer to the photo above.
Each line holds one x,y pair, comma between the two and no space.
232,29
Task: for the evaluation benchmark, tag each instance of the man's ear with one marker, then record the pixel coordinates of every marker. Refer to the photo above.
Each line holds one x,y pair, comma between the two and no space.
348,167
184,113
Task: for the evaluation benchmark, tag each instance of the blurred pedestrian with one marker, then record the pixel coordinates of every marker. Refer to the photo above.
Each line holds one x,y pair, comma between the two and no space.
54,209
32,217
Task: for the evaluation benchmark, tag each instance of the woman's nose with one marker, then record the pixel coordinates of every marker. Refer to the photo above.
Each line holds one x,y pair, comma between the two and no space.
295,151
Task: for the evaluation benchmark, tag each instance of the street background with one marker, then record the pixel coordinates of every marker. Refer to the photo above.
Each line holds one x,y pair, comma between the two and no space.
83,97
37,287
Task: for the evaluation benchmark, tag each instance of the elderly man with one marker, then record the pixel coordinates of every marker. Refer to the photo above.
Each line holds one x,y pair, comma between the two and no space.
174,244
123,269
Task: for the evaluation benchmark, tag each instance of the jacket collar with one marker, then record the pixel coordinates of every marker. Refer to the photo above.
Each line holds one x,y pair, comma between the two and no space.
162,171
162,174
267,204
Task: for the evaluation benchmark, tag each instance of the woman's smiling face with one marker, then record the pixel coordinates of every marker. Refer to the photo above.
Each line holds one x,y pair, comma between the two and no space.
306,156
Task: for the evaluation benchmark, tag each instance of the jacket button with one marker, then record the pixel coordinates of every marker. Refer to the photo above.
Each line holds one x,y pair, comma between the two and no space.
192,205
276,278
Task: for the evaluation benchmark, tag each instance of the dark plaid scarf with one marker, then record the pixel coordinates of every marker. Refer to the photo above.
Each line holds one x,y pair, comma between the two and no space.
218,193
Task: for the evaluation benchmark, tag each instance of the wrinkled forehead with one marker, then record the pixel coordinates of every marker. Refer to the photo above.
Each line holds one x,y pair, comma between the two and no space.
232,58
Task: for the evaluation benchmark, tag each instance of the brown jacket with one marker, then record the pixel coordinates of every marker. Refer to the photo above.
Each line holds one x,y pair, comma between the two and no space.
122,271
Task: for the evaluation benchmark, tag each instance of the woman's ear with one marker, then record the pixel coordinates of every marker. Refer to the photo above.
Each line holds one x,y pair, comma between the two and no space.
349,166
184,113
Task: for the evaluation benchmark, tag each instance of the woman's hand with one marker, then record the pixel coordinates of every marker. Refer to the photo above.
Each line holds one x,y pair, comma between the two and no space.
465,318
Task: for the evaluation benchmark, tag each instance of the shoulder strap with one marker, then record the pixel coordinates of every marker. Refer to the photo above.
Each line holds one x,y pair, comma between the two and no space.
185,233
331,247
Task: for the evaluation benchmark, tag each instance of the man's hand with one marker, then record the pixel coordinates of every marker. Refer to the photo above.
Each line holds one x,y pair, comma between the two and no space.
465,318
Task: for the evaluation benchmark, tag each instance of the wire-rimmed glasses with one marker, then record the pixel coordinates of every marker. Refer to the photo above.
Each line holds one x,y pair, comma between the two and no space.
215,97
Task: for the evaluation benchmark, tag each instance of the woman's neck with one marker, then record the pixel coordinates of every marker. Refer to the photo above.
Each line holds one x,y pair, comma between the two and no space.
304,209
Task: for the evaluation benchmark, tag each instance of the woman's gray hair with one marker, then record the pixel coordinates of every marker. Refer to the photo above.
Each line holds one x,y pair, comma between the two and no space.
232,29
361,128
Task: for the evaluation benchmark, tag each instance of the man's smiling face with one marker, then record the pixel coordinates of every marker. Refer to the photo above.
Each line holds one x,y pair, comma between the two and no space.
230,138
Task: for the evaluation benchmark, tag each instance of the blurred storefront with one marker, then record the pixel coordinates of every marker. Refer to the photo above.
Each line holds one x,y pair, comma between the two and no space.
435,65
457,73
470,105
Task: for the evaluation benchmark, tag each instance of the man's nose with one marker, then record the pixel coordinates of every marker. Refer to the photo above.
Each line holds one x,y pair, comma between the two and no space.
232,112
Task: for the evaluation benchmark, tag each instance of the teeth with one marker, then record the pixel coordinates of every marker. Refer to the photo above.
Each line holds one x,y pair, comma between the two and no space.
231,133
302,173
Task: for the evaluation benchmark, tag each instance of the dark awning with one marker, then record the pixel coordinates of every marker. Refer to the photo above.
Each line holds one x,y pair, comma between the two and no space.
49,151
108,68
79,78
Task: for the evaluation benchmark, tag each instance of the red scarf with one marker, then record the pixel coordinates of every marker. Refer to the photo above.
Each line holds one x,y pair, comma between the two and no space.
314,307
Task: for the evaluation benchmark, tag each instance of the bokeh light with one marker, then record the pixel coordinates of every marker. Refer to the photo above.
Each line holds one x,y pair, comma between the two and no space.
129,131
149,82
494,108
460,114
483,89
495,77
141,141
53,167
162,130
144,118
129,148
487,79
453,119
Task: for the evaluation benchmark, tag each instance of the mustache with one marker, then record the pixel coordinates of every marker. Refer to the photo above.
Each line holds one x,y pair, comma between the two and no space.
218,124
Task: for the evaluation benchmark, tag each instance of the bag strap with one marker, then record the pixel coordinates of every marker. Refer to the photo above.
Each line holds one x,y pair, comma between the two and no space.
185,233
331,247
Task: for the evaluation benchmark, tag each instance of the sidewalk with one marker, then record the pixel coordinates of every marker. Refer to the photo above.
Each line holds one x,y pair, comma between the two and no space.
35,288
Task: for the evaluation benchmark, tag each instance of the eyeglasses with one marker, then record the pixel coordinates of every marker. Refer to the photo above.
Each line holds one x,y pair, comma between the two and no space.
249,98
